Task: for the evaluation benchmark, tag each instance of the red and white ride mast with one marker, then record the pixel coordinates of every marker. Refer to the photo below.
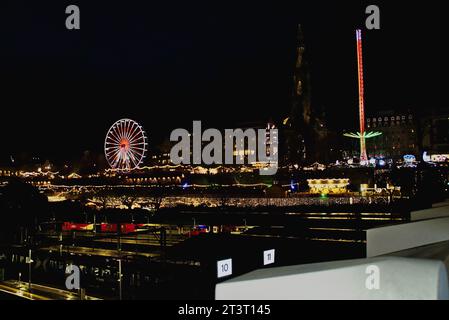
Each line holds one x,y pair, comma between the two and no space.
363,155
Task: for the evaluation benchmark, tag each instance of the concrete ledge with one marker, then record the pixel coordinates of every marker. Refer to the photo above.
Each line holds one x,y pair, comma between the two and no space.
438,210
394,238
441,204
398,278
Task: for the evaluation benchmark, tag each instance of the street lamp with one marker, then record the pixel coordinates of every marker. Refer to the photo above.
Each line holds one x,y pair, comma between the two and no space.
120,278
29,261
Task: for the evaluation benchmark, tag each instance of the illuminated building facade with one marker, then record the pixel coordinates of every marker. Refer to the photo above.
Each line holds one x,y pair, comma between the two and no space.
328,186
8,172
399,135
435,131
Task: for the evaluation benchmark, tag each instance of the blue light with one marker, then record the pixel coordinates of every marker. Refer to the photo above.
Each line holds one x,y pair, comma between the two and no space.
292,185
409,158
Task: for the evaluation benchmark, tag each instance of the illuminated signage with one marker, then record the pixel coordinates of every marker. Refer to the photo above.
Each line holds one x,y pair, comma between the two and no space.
440,157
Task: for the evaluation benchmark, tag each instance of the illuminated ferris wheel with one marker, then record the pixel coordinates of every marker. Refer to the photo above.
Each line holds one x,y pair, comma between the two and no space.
125,145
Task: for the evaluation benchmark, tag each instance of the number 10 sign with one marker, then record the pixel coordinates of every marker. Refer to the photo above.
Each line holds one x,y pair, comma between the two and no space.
224,268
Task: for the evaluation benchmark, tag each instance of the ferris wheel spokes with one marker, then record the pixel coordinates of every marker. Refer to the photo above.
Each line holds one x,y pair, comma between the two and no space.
125,145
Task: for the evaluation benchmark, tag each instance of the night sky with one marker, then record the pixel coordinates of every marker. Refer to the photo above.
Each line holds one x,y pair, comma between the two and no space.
166,63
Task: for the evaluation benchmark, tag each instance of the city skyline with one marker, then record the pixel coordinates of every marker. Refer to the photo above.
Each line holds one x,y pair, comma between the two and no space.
199,151
241,70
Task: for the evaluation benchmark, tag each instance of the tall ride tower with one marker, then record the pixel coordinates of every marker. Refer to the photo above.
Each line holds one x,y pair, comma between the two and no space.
362,135
363,155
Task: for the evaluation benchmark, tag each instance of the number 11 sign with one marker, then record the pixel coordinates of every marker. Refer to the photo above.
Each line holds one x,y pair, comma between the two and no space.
268,257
